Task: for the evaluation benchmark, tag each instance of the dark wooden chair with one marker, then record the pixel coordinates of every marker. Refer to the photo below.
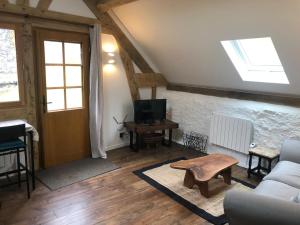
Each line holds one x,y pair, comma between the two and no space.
11,143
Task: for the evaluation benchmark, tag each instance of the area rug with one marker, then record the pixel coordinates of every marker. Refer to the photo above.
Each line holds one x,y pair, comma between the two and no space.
170,181
73,172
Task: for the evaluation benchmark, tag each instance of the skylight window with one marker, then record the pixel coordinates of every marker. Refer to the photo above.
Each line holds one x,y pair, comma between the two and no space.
256,60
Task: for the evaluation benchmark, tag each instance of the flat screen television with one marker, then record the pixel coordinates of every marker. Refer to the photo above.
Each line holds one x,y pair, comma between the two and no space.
150,111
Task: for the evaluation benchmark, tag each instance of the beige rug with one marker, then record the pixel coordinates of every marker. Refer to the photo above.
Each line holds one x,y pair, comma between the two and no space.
170,181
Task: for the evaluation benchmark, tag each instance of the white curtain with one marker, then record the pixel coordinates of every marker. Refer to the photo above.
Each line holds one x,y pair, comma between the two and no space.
96,95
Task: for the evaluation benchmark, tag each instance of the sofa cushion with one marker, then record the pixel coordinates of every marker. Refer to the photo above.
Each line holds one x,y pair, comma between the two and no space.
296,198
290,151
276,189
286,172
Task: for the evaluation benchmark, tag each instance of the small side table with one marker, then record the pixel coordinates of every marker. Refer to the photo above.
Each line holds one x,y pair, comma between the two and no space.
262,153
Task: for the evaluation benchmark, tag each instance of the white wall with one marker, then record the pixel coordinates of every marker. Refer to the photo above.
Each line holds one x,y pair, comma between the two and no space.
183,37
272,123
117,99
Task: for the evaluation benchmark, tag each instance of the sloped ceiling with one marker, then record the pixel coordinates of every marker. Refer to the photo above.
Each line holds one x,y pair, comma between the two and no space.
73,7
182,37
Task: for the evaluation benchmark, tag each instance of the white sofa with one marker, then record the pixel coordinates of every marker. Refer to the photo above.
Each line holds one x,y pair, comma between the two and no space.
276,200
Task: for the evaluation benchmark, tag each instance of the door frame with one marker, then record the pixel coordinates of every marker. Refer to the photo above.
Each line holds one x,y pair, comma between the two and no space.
40,74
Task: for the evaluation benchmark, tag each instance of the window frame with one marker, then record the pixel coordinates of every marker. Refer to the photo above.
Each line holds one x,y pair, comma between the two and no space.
242,63
20,65
65,87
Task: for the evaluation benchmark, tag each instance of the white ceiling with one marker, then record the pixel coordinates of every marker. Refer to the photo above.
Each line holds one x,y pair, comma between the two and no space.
183,37
74,7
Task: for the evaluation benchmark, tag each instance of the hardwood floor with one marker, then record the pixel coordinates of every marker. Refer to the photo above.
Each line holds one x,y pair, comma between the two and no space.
117,197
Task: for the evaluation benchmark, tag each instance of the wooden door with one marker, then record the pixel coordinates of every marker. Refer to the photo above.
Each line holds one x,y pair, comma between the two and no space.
62,61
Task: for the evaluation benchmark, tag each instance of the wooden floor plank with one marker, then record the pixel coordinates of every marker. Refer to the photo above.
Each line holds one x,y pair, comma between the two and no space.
114,198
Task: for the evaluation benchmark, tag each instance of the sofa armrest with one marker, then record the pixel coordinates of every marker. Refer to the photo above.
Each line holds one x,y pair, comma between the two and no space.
290,151
248,208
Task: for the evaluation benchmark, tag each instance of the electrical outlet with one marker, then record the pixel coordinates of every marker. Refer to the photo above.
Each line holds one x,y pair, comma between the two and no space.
252,145
124,134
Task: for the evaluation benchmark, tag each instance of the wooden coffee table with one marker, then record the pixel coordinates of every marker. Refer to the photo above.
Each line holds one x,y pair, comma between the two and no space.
201,170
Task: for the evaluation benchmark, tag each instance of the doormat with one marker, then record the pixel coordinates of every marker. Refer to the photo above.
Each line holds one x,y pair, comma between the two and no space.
73,172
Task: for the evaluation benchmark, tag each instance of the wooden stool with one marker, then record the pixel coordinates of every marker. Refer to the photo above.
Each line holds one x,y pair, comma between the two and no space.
153,138
262,153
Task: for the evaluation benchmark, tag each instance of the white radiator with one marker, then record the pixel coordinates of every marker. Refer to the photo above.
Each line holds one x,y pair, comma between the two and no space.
230,132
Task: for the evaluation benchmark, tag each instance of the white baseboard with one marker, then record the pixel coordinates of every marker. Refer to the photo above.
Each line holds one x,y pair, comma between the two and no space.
112,147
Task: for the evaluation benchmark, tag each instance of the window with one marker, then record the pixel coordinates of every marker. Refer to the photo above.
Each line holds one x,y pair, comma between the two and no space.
10,82
256,60
64,81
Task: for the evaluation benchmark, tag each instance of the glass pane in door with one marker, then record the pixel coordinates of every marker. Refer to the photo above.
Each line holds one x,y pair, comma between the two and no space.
72,53
55,99
54,76
74,98
53,52
73,76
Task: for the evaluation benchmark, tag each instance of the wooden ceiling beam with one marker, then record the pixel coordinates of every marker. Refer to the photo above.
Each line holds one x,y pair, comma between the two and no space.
34,12
22,2
128,49
44,5
105,5
129,70
273,98
136,57
108,23
150,80
3,2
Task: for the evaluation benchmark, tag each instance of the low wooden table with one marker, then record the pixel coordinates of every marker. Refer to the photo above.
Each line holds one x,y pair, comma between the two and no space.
201,170
262,153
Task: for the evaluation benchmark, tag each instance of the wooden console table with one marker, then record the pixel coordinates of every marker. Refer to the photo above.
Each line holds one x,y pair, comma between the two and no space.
140,129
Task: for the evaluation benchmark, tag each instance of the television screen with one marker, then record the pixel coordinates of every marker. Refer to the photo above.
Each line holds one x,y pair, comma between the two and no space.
149,111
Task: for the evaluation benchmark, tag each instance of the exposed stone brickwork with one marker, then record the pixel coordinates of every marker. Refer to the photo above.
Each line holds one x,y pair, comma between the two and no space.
272,123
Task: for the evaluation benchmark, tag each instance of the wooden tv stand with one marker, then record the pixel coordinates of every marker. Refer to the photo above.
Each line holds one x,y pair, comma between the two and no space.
140,129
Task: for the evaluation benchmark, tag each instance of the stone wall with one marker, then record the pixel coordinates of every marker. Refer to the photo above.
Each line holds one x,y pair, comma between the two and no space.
272,123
